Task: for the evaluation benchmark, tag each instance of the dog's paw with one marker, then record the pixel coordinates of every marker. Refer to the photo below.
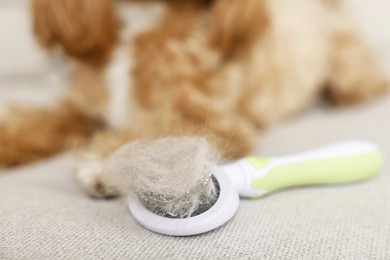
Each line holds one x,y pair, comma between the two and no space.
90,174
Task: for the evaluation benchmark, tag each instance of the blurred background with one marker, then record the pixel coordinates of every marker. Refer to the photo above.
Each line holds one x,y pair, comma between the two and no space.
26,72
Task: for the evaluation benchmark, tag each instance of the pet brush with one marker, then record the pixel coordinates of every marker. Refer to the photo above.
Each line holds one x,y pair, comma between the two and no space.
176,187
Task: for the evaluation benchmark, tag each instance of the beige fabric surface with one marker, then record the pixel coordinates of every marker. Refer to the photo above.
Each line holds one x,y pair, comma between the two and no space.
44,214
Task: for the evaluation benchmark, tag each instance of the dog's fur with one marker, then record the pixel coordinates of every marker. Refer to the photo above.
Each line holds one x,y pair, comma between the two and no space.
222,69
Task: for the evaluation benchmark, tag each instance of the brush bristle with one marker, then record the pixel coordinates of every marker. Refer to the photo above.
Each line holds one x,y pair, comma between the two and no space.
171,175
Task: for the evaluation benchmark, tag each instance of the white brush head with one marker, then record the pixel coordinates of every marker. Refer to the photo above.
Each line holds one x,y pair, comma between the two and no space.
171,176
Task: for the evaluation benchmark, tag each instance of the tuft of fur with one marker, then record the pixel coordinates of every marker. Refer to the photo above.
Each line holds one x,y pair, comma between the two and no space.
171,175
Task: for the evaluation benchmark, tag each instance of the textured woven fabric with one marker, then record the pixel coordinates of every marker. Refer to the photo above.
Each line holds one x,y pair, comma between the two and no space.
44,214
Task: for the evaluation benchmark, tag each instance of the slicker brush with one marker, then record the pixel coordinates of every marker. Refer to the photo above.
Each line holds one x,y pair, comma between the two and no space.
175,186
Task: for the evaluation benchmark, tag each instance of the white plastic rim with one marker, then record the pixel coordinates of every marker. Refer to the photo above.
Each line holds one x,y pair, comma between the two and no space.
222,211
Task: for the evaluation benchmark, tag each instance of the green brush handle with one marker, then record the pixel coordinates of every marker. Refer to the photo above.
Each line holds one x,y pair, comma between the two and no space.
338,163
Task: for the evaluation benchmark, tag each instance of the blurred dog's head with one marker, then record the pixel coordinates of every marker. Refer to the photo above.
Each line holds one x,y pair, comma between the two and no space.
88,29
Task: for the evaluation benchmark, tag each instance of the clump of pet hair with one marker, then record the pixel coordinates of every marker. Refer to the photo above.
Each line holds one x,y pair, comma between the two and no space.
171,175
